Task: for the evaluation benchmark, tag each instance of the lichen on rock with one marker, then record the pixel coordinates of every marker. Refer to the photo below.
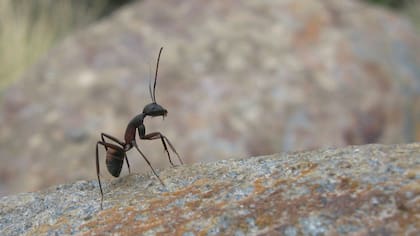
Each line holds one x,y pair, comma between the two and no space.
371,189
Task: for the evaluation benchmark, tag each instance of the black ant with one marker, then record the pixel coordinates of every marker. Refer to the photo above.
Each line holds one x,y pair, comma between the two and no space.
116,153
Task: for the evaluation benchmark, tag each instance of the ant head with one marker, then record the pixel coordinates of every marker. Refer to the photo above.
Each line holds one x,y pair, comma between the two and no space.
154,109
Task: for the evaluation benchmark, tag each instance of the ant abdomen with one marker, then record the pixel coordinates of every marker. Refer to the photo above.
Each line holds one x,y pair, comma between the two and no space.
114,161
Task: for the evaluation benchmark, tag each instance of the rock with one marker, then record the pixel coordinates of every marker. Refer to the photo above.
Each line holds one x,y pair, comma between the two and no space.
370,189
238,79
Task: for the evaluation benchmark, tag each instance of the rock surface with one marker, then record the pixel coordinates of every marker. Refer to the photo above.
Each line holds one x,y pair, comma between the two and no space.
239,78
370,189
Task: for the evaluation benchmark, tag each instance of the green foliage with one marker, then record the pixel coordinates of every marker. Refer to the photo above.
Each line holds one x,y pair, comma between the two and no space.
409,8
29,28
395,4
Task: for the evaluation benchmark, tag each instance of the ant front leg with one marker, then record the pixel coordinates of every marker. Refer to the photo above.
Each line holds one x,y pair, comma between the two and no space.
164,139
117,141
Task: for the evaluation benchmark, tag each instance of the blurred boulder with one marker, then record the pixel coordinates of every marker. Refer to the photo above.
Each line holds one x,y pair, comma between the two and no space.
239,78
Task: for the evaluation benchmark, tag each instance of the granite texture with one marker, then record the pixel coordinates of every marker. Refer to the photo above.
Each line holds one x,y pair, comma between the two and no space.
360,190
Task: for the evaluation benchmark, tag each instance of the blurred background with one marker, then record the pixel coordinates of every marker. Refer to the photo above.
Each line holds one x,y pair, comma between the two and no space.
239,79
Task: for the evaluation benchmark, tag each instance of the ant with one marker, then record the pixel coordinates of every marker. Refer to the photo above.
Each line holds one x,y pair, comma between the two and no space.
116,152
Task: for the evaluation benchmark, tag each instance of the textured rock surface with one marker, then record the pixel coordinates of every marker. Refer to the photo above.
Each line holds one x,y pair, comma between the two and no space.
239,78
371,189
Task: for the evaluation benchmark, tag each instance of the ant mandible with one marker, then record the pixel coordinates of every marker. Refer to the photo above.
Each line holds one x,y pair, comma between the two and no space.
116,152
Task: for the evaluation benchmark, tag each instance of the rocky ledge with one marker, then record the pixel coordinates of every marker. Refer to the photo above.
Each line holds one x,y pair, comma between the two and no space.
371,189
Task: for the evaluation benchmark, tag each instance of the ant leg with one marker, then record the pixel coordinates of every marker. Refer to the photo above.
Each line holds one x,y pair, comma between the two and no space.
120,143
154,172
111,138
106,145
156,135
128,164
98,171
166,149
173,149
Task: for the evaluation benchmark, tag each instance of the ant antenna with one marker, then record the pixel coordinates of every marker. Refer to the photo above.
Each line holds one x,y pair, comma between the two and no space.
150,82
154,85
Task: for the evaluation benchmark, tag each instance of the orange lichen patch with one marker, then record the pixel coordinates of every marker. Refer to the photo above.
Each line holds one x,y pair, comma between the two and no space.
44,229
308,168
304,167
259,203
145,226
408,198
400,215
404,220
112,219
262,208
282,183
344,55
159,215
311,30
258,186
193,204
344,205
125,221
193,188
347,184
265,220
207,194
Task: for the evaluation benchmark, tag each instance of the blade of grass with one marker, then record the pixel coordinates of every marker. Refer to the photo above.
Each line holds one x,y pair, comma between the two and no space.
29,28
